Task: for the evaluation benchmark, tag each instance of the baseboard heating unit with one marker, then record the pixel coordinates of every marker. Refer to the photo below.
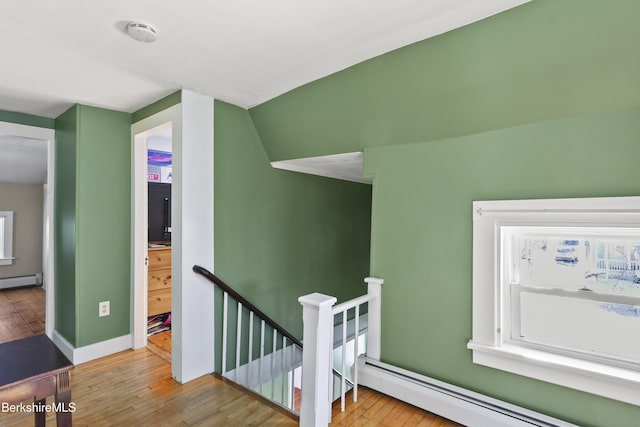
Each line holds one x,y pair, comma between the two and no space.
455,403
14,282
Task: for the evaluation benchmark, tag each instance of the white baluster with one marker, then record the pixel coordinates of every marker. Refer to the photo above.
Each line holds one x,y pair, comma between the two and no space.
343,370
273,363
261,354
355,353
238,338
293,379
250,352
225,310
284,346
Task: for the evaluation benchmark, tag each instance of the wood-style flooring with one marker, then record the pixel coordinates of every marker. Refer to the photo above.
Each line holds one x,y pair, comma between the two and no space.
22,313
134,387
160,344
377,409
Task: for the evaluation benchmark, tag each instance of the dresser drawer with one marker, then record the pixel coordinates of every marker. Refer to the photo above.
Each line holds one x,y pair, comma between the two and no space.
159,301
159,258
159,278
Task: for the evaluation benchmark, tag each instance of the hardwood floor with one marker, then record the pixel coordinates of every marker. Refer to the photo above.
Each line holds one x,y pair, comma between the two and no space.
134,388
377,409
22,313
160,344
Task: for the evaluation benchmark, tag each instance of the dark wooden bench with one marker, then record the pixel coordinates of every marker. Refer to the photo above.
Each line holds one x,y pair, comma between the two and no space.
34,368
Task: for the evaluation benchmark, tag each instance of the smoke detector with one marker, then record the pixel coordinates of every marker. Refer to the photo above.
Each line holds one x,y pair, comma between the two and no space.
142,32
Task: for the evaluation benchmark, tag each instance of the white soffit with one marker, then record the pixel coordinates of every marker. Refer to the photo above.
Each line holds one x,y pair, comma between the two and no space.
244,52
346,166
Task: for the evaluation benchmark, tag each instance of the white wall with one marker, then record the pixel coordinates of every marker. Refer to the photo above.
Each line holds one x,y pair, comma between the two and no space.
192,239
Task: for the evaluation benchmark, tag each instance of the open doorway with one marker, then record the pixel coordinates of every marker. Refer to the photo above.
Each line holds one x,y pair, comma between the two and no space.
26,238
153,140
159,275
192,348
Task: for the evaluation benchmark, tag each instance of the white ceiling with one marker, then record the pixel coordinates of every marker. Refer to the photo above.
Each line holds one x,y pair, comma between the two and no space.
58,53
23,160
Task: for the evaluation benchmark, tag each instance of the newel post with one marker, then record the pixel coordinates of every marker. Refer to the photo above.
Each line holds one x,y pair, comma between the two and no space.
316,359
375,317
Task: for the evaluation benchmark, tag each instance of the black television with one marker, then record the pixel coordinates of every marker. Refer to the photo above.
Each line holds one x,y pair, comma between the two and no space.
159,208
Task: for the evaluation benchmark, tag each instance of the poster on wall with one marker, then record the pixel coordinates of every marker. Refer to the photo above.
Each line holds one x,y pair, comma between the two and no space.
159,166
165,174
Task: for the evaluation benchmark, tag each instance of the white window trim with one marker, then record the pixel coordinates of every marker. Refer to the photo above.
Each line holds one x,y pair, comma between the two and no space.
6,238
488,344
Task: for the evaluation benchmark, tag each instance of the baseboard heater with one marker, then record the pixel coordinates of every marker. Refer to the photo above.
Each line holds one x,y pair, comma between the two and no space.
14,282
455,403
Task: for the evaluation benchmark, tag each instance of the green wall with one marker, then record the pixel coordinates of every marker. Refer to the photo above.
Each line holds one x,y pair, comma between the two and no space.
156,107
279,234
422,239
92,223
26,119
543,60
540,101
64,227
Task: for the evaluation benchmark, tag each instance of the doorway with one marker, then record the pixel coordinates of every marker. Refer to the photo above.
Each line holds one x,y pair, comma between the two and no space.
152,257
32,148
192,349
159,268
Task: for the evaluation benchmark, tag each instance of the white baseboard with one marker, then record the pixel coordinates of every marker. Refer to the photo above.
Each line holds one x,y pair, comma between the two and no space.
91,351
14,282
65,347
451,402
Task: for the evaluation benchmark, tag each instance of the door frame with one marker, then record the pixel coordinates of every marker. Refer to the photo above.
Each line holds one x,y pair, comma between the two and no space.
47,135
192,305
139,201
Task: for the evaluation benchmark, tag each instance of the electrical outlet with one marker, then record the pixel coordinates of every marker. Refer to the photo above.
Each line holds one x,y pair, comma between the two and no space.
104,308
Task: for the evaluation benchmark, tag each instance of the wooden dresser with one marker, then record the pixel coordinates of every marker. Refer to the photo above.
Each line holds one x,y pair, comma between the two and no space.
159,298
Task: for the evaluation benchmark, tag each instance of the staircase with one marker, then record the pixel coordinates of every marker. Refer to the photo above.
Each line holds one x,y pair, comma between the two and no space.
255,352
260,355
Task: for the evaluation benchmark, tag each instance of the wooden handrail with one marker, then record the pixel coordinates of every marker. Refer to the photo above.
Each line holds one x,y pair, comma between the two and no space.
228,289
222,285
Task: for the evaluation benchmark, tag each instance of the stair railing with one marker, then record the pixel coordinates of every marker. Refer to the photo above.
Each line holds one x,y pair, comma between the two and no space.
279,356
320,317
272,366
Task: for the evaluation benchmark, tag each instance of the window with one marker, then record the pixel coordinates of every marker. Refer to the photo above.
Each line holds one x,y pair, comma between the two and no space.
6,237
556,292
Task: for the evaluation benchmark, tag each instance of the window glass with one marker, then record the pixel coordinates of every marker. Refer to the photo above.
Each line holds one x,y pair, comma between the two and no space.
6,237
608,264
556,291
1,237
574,289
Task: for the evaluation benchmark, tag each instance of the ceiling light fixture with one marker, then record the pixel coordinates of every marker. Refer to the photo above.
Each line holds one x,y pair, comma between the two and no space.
142,32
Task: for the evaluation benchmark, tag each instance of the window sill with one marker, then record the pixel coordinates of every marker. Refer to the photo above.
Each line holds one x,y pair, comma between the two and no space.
592,377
